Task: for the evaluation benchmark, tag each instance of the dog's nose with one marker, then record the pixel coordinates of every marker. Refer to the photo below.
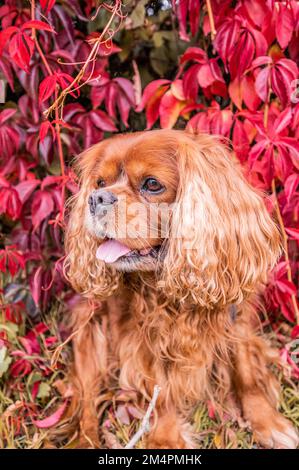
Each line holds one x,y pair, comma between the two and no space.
101,199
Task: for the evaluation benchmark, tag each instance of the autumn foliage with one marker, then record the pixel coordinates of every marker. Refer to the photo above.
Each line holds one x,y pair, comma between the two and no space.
76,72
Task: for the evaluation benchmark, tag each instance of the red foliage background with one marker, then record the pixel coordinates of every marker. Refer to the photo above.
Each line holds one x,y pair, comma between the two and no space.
234,73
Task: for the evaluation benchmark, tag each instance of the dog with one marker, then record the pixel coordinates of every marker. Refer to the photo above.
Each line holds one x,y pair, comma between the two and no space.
170,248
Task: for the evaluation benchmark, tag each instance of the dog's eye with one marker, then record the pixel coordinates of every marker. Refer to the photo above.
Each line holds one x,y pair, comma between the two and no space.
101,183
151,185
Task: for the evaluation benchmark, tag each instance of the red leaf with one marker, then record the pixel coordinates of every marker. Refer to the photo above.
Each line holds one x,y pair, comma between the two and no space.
102,121
204,76
44,129
262,84
21,49
211,410
47,87
235,92
41,207
52,419
283,120
10,203
290,185
194,53
194,15
262,60
243,54
40,328
47,4
20,368
283,74
12,259
282,163
286,286
153,107
182,16
51,180
111,99
226,38
199,122
151,99
177,90
240,140
98,94
295,332
150,91
190,82
15,262
257,11
3,182
35,285
127,87
293,232
292,146
250,96
36,24
64,80
284,24
124,108
35,389
6,114
170,109
5,36
26,188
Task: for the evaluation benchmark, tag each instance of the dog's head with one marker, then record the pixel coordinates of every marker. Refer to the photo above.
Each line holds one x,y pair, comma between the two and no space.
173,203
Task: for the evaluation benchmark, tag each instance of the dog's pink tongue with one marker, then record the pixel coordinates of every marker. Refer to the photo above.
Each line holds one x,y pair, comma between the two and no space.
111,250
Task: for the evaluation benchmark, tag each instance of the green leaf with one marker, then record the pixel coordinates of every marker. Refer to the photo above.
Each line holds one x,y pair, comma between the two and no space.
137,16
4,361
44,390
10,328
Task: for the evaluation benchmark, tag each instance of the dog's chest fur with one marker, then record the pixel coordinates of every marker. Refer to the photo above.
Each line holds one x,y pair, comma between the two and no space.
153,342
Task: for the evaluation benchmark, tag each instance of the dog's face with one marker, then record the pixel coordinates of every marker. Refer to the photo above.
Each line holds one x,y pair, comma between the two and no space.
172,203
133,184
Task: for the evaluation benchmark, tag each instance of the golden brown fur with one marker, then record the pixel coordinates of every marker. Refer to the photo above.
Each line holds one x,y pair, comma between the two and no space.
172,325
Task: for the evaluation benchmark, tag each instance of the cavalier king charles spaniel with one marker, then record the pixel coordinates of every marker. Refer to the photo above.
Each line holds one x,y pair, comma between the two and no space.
170,248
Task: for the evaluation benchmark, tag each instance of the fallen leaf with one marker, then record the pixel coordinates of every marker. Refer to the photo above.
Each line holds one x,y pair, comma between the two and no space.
52,419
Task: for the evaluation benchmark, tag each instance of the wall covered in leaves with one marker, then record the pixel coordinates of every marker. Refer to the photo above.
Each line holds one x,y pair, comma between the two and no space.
73,73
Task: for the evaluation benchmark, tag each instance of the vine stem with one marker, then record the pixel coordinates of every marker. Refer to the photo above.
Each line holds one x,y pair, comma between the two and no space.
285,249
57,126
211,19
91,57
267,105
34,37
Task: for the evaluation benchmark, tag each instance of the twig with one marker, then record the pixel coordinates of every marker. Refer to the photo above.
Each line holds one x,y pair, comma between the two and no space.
285,249
211,19
76,83
145,425
57,126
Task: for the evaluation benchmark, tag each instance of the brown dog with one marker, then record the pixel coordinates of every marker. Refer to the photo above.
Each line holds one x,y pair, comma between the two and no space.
167,233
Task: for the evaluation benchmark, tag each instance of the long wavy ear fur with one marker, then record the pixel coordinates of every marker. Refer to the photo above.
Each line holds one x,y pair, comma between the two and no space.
223,241
87,275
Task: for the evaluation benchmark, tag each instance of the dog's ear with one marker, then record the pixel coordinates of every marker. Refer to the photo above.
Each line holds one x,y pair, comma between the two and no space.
88,275
223,241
